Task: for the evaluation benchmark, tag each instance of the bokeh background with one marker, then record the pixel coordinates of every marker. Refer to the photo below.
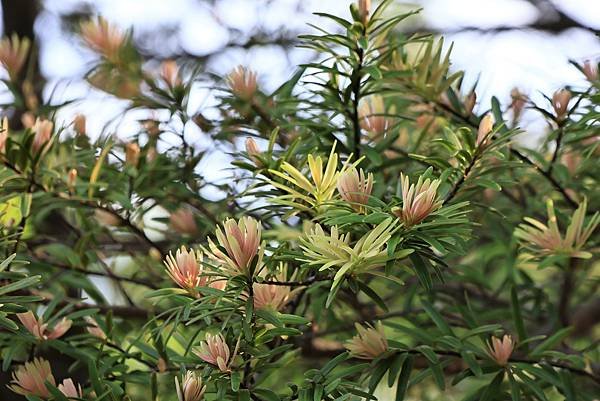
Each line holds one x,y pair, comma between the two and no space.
501,43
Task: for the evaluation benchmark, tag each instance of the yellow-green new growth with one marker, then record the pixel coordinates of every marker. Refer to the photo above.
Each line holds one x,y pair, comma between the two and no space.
310,195
547,239
334,249
368,343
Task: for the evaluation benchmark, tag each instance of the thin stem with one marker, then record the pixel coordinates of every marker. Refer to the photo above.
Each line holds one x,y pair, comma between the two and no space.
104,274
559,365
127,355
520,156
570,201
566,291
92,204
356,77
23,222
461,180
296,283
561,132
559,137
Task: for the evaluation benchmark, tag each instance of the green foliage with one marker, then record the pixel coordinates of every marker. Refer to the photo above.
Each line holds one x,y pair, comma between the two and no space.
431,274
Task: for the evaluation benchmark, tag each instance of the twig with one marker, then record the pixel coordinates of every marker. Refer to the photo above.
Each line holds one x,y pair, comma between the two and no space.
127,355
461,180
566,291
92,204
559,137
548,176
561,132
296,283
520,156
104,274
129,312
356,77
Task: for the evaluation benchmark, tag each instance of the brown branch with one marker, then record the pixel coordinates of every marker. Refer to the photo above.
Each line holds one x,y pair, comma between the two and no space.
570,201
91,204
561,132
311,352
128,312
356,86
461,180
102,274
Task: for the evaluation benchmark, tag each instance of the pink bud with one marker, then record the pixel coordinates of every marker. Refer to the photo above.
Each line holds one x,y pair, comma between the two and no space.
60,328
42,131
32,325
29,379
590,71
103,38
501,351
28,119
242,82
71,179
214,351
241,241
3,135
79,124
372,116
169,72
191,389
364,9
560,102
185,269
132,154
94,329
39,329
469,102
152,127
69,389
253,151
485,128
183,221
355,188
517,103
418,201
13,54
270,296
